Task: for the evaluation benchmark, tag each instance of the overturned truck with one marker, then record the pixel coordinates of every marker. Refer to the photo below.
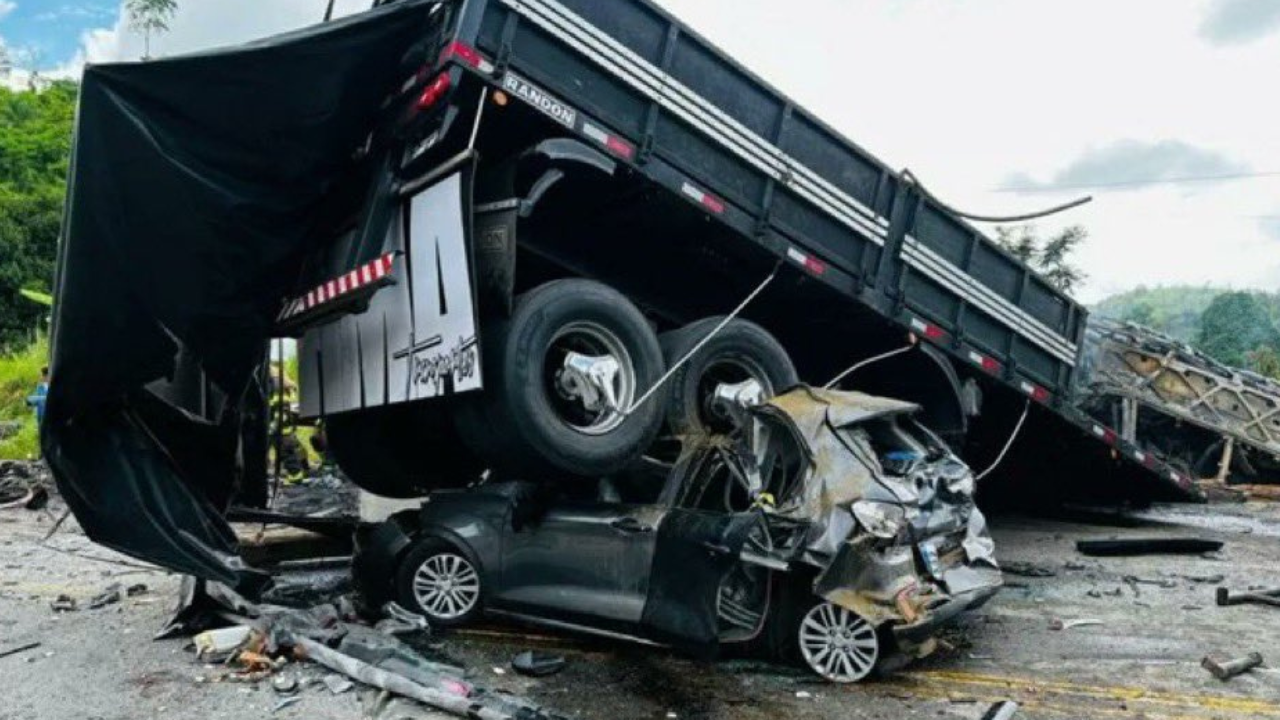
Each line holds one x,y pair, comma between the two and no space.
531,241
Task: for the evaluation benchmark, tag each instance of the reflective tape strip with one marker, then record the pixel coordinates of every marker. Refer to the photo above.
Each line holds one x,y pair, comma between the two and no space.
807,261
348,282
948,275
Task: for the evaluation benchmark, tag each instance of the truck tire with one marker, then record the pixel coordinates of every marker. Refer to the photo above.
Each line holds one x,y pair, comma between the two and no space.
402,451
741,351
533,419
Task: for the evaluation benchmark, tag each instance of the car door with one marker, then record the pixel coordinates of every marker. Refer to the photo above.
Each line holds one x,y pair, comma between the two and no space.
583,562
701,592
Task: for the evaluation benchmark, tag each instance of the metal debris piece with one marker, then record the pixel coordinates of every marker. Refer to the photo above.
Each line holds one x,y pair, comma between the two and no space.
1147,546
537,664
1225,670
19,649
284,703
64,603
136,589
110,596
1271,597
1059,624
1002,710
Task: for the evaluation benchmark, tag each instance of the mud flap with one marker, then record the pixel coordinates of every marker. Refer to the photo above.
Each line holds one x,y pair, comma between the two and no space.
695,552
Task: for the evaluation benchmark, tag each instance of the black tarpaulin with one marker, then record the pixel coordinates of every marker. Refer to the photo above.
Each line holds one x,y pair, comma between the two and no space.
197,185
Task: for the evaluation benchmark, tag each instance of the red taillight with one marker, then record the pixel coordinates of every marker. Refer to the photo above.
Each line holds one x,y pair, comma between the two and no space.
463,52
432,93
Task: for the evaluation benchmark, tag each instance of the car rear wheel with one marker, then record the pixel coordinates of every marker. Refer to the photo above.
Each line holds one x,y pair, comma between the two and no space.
837,644
441,583
743,363
561,375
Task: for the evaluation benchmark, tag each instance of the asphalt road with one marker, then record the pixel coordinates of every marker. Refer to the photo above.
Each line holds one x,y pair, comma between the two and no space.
1157,620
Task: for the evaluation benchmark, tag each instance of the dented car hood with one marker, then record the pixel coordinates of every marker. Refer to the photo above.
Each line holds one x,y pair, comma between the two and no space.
882,509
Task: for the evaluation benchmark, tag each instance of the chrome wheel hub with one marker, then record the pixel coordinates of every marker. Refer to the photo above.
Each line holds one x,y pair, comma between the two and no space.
837,644
593,381
446,586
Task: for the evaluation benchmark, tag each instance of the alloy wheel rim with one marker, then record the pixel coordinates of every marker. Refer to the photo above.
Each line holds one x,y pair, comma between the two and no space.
446,586
838,644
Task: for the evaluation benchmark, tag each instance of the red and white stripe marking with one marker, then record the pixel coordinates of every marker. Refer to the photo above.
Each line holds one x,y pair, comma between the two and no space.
807,261
1105,434
611,142
1035,392
329,290
468,56
927,329
989,364
703,198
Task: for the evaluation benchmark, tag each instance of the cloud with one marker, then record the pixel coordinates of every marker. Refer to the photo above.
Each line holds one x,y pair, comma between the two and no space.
1236,22
75,12
1132,162
6,7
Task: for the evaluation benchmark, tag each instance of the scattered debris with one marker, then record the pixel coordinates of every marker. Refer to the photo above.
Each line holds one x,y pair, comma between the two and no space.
1227,669
803,694
1003,710
110,596
64,603
222,642
1059,624
1027,569
1271,597
337,684
1147,546
136,589
1204,579
537,664
284,703
1160,582
19,649
399,621
285,683
35,499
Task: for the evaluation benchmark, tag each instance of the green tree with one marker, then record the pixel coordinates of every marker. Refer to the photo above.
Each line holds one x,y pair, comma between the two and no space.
1233,325
1141,313
35,143
150,16
1051,256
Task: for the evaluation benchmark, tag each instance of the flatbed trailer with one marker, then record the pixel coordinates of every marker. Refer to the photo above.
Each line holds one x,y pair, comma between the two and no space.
720,176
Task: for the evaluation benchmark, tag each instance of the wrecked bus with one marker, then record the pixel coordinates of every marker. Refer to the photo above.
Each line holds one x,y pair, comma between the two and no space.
517,240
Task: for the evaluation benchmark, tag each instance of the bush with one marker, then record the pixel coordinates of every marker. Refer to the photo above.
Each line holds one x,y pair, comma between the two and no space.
19,374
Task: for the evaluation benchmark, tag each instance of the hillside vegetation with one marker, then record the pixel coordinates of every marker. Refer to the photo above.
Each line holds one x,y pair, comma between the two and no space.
35,147
1238,327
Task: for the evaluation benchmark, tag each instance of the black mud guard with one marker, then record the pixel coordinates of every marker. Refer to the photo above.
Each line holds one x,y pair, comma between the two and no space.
520,183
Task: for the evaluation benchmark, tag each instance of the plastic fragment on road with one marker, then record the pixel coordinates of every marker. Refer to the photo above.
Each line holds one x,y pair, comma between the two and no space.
1003,710
218,642
537,664
1059,624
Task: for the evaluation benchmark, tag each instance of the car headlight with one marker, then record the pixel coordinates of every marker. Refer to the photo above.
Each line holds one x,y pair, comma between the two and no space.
879,519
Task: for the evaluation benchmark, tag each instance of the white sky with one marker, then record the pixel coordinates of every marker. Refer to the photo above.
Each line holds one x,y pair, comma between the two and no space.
978,95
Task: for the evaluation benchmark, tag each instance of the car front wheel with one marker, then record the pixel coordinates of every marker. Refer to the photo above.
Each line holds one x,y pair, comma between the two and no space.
441,583
837,644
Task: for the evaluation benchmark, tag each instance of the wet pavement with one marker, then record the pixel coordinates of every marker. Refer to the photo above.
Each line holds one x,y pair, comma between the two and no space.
1157,620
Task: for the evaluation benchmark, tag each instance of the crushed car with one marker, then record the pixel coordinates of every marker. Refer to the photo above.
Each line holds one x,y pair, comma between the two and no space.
831,529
